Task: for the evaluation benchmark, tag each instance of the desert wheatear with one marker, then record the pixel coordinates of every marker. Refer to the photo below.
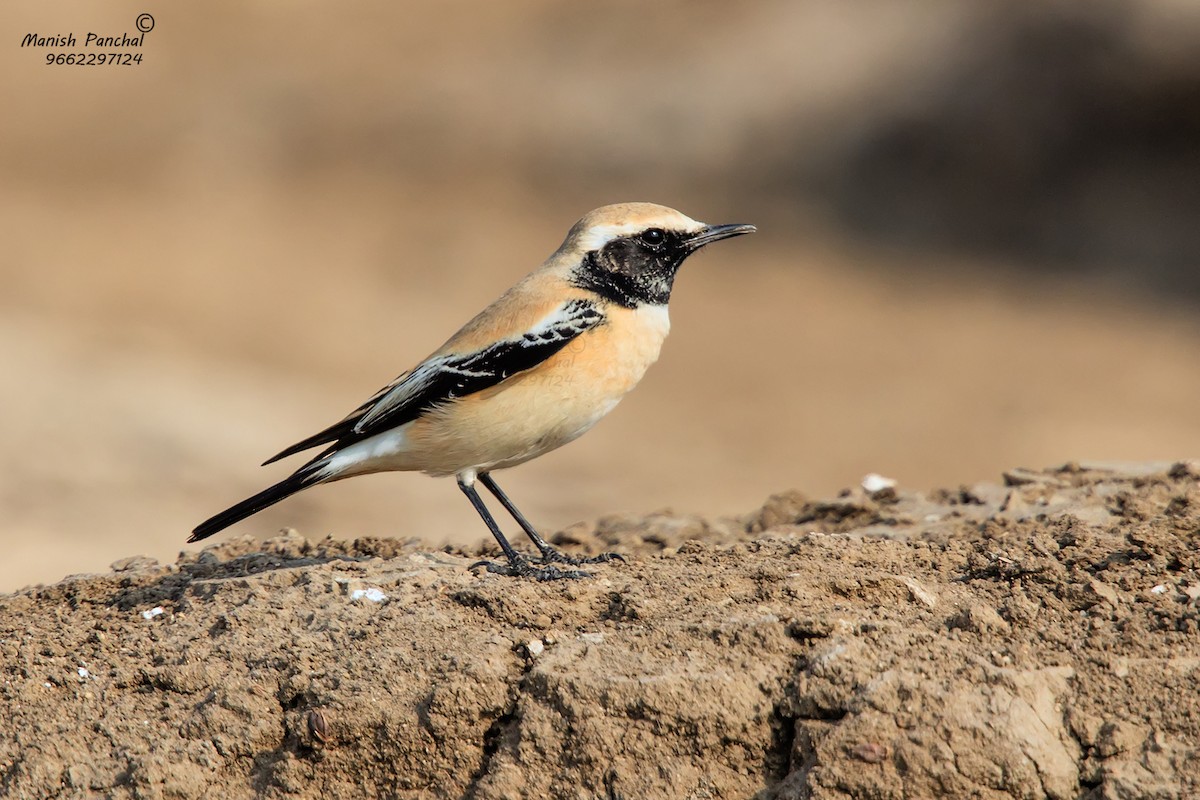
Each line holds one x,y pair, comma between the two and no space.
535,370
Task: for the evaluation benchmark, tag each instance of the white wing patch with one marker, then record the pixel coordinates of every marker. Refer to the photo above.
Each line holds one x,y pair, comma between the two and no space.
412,385
448,377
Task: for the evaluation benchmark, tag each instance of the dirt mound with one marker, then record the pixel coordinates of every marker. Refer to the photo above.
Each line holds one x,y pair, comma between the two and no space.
1036,638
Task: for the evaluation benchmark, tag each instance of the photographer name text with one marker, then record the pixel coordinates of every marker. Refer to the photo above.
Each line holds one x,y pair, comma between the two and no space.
90,40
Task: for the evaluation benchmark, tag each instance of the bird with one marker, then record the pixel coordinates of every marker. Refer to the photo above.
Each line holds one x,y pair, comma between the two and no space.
532,372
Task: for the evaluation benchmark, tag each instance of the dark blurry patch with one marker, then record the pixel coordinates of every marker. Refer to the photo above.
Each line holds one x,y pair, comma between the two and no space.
1058,134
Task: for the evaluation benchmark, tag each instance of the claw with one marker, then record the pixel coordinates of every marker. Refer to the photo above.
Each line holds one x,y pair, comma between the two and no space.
523,569
551,555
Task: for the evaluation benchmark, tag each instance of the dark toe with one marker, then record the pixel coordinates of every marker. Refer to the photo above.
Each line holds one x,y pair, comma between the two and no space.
523,569
550,555
605,557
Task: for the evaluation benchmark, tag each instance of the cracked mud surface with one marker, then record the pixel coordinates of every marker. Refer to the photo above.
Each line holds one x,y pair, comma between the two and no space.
1039,638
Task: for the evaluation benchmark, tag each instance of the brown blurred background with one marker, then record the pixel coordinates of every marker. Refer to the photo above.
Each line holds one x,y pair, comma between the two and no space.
978,247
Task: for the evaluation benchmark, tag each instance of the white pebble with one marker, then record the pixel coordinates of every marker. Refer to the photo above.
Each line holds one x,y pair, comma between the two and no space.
83,673
535,647
1160,589
152,613
874,482
372,594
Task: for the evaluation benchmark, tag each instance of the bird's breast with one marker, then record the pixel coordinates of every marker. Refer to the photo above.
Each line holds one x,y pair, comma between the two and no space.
536,411
609,360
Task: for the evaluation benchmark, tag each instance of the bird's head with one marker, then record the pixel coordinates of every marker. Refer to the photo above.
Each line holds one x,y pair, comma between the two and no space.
629,253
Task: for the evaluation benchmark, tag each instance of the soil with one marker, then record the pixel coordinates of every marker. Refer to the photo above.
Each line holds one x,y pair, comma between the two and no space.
1032,638
271,222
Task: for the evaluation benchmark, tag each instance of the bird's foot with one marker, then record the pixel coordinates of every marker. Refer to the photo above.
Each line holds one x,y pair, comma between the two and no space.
520,568
551,555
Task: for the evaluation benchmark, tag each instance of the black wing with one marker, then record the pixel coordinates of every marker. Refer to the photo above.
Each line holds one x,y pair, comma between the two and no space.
443,379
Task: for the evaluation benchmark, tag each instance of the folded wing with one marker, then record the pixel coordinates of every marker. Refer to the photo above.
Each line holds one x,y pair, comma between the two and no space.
447,377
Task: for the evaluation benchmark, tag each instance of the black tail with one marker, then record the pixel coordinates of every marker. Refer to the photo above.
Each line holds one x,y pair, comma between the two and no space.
252,505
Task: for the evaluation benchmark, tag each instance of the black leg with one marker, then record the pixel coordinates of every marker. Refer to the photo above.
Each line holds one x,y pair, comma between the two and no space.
549,553
517,566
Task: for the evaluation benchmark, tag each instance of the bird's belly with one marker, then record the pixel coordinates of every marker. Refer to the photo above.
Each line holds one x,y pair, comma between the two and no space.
539,410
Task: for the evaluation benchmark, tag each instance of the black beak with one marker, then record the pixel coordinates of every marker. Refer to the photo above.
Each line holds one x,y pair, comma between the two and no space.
715,233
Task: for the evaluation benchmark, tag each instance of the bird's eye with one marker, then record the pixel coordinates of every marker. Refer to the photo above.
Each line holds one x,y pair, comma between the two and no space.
653,237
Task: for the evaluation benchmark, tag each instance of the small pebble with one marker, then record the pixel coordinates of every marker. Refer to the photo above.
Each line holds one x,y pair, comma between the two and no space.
874,482
870,752
318,726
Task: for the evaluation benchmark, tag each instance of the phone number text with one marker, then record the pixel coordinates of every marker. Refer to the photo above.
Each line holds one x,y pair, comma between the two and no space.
94,59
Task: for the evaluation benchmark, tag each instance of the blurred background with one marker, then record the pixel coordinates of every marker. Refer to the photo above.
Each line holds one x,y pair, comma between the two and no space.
978,247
